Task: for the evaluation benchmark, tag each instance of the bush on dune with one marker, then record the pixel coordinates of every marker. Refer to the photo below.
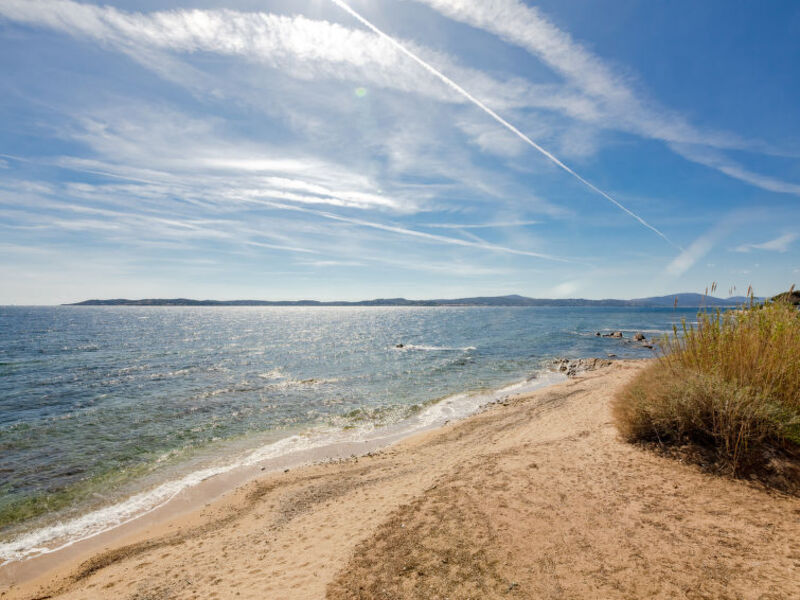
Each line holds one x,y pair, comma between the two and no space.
730,387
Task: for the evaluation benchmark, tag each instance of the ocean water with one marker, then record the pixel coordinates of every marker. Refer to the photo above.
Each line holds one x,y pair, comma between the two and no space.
107,411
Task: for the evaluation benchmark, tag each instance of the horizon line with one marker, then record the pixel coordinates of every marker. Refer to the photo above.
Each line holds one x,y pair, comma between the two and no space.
484,299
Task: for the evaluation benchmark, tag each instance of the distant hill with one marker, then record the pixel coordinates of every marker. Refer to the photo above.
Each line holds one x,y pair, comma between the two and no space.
792,297
689,300
746,299
683,301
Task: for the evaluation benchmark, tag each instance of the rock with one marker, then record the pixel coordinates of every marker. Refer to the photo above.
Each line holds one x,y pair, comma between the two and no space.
639,337
615,334
399,346
598,334
611,355
575,366
650,346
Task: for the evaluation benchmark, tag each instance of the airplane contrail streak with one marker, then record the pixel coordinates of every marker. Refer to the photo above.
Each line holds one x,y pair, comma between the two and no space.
453,85
413,232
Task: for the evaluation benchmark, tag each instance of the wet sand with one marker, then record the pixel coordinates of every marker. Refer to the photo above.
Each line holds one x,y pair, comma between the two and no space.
533,498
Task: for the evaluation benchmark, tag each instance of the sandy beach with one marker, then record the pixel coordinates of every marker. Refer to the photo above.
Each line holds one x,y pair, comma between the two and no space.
535,497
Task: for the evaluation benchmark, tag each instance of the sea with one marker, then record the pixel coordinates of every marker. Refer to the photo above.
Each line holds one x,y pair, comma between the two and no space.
108,412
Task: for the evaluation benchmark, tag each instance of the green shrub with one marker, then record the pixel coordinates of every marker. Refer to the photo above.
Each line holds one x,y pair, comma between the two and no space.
729,385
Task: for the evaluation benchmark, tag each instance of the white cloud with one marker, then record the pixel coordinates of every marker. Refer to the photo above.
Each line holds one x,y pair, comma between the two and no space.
409,52
716,160
488,225
308,49
281,247
526,27
702,245
187,203
686,259
167,151
574,139
315,50
566,289
614,100
331,263
779,244
421,235
170,164
302,48
491,138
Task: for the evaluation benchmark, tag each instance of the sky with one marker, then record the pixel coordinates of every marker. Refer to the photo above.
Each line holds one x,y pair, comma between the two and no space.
345,150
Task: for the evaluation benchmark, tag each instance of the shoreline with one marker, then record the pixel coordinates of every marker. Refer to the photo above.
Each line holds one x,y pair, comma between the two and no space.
196,488
535,496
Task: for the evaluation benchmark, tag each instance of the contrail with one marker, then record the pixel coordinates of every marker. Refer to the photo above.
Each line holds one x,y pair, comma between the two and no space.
78,169
452,84
413,232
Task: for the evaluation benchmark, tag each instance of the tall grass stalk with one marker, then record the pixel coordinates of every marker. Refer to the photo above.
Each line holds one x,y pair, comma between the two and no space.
730,384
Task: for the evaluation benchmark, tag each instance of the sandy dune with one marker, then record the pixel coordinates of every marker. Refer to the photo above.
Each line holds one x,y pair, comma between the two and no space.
536,498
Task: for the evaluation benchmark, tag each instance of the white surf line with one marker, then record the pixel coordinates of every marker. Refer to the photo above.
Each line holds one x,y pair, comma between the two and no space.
90,525
453,85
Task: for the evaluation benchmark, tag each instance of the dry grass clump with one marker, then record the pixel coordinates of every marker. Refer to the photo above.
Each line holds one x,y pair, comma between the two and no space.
729,387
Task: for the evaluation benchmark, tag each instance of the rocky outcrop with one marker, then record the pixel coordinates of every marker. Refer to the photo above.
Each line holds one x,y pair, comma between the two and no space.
615,334
639,337
790,297
575,366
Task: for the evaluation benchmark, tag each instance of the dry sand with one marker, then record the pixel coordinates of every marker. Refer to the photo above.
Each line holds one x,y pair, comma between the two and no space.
534,498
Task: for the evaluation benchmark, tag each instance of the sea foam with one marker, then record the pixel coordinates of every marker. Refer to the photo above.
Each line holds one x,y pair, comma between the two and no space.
64,534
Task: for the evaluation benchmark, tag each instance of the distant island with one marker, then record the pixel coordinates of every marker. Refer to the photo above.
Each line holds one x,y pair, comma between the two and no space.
680,300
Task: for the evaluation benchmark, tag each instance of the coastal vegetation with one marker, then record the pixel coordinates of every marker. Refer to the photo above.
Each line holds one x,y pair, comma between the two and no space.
725,392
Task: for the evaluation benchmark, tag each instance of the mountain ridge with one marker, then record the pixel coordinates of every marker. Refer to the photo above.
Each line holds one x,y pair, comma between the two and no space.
681,300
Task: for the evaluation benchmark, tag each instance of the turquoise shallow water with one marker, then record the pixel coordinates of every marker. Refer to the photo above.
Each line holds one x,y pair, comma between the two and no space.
98,403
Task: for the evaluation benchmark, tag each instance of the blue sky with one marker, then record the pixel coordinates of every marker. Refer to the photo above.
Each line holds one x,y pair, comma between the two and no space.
284,149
